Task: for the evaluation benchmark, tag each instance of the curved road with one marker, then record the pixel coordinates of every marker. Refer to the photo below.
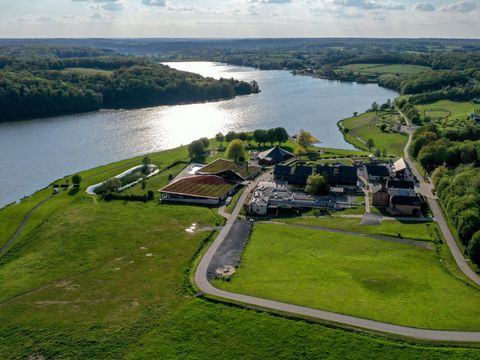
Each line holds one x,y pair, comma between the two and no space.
426,190
351,321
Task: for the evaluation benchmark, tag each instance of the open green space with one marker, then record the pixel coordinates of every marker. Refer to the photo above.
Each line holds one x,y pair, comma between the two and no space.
86,71
91,279
382,69
359,129
414,230
230,207
448,114
390,282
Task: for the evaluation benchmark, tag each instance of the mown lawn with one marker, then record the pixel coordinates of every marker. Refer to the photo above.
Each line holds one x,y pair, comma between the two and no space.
448,114
230,207
382,69
390,282
367,126
414,230
94,280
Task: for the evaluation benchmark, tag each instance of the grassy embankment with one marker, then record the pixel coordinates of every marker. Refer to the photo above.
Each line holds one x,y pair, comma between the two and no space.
361,128
375,279
374,71
90,279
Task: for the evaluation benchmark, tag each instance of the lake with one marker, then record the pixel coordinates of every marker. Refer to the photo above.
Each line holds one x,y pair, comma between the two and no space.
37,152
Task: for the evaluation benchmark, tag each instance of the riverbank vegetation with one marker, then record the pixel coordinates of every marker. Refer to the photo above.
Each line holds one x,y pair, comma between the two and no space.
38,86
93,279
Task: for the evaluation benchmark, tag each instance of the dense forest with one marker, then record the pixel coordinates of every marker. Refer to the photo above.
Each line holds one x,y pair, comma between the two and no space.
38,82
453,157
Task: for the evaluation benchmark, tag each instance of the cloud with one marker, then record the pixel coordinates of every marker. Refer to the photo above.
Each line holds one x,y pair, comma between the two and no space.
109,5
461,7
96,16
160,3
368,5
424,7
270,1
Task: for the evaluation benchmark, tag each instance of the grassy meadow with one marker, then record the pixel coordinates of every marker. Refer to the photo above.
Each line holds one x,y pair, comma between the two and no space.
448,114
365,277
384,69
367,126
89,279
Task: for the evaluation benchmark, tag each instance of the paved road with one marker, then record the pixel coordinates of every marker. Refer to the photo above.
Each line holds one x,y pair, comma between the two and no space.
426,190
350,321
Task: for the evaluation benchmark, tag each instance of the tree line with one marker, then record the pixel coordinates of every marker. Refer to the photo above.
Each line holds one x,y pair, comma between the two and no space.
453,158
32,91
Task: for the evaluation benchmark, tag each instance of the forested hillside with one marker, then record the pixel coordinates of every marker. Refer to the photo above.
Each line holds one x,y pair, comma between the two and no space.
453,157
47,82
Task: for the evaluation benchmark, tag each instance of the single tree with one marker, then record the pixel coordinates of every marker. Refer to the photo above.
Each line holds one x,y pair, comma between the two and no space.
473,248
355,113
249,139
271,136
260,136
305,139
205,142
196,149
220,138
281,135
236,150
374,107
76,180
146,161
231,135
370,144
317,185
242,136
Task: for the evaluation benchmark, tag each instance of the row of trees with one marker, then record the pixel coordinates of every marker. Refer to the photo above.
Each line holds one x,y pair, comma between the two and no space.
261,137
453,158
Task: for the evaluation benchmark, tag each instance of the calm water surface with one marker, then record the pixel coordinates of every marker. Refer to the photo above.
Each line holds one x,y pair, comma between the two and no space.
34,153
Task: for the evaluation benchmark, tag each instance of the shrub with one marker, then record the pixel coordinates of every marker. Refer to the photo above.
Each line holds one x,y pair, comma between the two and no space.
474,248
76,179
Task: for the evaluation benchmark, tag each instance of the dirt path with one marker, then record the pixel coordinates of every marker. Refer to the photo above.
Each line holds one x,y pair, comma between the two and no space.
423,244
22,225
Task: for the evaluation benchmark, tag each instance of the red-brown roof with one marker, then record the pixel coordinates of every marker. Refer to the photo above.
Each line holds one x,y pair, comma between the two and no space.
207,186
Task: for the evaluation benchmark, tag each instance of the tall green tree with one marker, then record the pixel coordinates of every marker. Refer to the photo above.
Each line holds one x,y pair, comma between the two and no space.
196,150
317,185
236,150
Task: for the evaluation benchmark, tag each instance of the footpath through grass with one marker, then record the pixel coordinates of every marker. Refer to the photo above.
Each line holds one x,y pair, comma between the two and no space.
374,279
89,279
414,230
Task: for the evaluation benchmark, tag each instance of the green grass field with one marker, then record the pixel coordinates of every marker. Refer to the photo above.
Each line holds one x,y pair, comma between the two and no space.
381,69
374,279
448,114
367,126
408,229
89,279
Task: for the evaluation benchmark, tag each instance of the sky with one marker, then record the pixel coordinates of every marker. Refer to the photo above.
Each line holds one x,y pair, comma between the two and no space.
239,18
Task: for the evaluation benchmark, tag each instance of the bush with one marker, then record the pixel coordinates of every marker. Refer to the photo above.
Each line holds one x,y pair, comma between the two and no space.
468,224
150,195
108,196
474,248
76,179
